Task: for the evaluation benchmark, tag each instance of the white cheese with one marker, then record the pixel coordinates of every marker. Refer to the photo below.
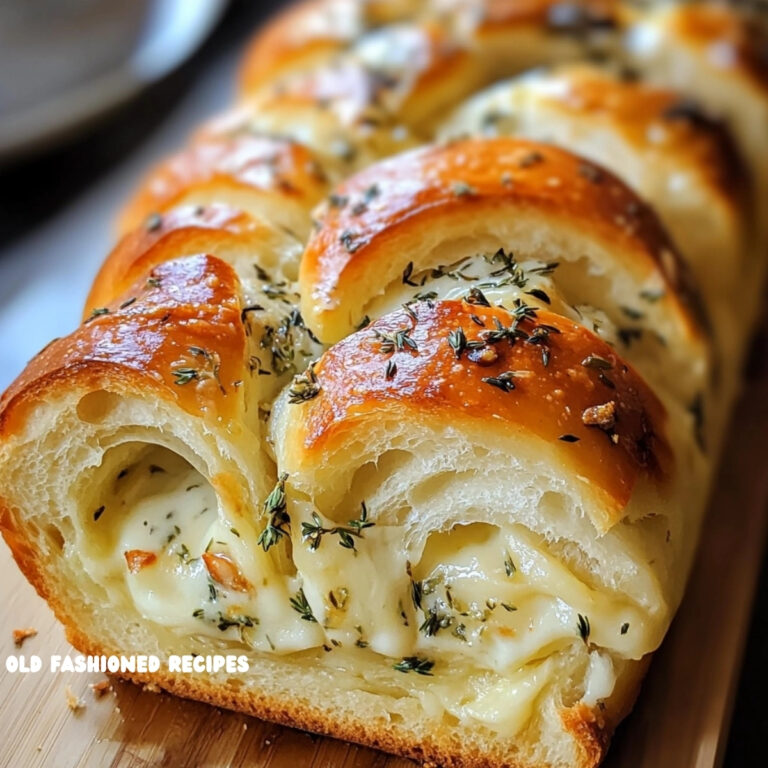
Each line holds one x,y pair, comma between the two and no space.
494,604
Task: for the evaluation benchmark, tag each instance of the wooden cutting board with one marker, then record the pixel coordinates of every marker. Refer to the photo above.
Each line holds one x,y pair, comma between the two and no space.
680,721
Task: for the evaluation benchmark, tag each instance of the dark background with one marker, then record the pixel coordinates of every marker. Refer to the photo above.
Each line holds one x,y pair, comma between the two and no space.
34,191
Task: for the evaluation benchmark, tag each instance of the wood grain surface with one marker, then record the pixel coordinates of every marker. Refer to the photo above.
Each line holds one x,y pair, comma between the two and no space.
680,721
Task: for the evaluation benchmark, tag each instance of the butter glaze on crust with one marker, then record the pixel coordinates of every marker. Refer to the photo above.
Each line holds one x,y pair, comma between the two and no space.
548,401
662,144
180,232
729,40
714,52
311,34
300,35
552,15
474,177
149,333
273,172
665,146
655,119
429,74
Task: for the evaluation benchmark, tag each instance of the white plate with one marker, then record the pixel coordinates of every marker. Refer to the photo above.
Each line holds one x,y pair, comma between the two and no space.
62,64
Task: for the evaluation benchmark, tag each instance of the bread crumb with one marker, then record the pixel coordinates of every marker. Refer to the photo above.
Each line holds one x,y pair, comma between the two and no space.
151,688
245,726
100,688
20,635
73,702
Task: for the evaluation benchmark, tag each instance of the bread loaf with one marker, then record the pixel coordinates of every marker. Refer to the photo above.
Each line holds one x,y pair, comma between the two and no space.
407,377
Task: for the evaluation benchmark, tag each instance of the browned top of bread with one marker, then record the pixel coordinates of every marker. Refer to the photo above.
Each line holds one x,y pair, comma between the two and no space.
730,40
181,231
310,31
648,116
169,321
299,32
461,363
359,90
175,332
241,161
426,188
554,15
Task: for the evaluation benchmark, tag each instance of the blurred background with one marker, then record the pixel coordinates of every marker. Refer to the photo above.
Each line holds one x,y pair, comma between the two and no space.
92,93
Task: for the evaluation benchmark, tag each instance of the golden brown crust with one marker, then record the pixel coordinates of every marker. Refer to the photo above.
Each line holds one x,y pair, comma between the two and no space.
589,731
179,232
553,16
560,372
243,161
313,31
730,40
171,326
183,316
425,188
437,74
289,40
351,87
655,118
441,72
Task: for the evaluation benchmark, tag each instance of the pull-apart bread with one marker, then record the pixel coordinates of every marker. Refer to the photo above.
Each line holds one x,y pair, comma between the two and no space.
407,378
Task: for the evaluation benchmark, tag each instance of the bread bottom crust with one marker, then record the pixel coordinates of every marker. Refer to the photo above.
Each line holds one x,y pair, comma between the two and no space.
591,733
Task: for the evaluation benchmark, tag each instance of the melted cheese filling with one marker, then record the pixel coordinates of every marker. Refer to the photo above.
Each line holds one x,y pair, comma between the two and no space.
488,611
502,280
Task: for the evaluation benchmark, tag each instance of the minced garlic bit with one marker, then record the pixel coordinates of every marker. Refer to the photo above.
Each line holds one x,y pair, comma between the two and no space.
20,635
603,416
100,688
74,702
